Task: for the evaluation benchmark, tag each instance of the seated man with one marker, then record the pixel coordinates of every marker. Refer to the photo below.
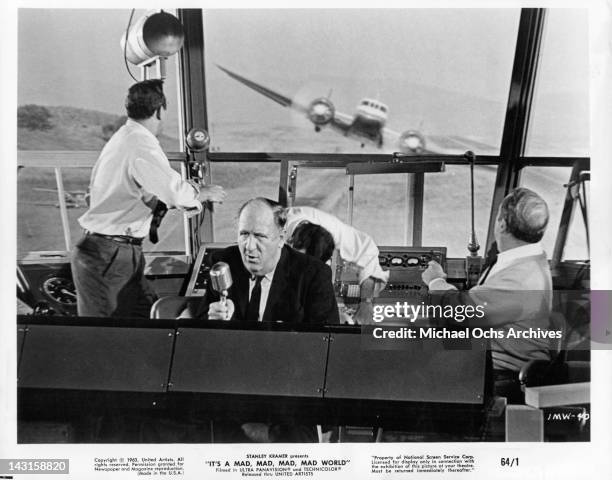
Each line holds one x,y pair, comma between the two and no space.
515,292
318,233
271,281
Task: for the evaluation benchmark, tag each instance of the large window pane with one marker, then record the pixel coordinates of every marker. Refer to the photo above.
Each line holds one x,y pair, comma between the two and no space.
380,208
444,72
241,181
446,214
559,123
323,188
71,97
79,79
39,224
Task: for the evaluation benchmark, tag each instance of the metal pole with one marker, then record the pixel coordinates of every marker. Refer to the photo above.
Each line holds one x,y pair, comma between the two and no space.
351,189
186,229
418,186
63,209
283,197
409,211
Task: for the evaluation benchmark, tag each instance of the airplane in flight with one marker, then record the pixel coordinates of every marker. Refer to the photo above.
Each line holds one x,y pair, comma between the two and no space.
367,125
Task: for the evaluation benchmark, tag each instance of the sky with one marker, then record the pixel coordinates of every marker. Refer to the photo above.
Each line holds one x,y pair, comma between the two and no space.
293,44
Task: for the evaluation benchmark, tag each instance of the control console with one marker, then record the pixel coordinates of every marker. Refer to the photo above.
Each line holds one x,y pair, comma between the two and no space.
405,266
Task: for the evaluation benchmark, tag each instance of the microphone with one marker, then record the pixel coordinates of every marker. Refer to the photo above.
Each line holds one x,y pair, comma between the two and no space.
221,279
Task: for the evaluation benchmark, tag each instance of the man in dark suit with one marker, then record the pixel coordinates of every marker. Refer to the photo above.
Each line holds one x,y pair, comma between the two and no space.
271,281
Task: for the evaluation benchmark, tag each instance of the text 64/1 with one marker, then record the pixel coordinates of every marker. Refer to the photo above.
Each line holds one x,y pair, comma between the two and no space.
509,462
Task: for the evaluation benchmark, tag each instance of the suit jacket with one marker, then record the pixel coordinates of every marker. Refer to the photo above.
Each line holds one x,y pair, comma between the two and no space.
301,289
515,298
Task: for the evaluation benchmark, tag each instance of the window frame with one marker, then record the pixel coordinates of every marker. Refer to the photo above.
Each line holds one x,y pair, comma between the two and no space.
509,162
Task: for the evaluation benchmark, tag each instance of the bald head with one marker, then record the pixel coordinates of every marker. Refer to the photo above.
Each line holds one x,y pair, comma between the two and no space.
525,215
279,213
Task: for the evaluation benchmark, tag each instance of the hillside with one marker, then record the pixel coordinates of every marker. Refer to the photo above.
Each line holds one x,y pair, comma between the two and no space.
76,129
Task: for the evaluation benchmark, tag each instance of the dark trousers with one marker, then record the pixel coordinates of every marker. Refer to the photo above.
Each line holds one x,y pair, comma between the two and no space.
109,279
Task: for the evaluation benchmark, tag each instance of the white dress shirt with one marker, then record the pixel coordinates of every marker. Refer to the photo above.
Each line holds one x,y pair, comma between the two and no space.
503,260
507,257
131,171
354,246
266,282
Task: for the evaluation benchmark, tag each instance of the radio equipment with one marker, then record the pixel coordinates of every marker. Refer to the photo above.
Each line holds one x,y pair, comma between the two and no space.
405,266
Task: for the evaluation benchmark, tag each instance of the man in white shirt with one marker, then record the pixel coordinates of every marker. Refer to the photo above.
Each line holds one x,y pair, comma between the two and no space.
354,247
515,292
130,175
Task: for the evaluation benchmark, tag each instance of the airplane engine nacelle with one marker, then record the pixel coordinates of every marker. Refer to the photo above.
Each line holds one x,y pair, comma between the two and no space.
321,111
411,141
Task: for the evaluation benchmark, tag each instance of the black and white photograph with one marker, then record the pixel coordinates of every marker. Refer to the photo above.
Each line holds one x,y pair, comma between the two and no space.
242,233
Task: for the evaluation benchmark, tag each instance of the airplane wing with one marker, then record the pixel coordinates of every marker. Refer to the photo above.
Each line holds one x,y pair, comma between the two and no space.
40,189
340,121
440,144
277,97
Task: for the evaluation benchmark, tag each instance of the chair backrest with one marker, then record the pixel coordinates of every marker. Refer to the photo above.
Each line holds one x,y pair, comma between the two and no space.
170,307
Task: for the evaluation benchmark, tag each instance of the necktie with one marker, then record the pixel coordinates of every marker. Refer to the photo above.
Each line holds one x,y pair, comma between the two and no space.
490,260
253,307
158,214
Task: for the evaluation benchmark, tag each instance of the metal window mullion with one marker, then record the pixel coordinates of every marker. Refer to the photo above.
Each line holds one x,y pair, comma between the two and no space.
283,189
350,199
194,106
417,206
61,194
524,71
